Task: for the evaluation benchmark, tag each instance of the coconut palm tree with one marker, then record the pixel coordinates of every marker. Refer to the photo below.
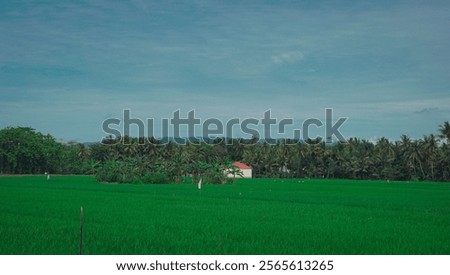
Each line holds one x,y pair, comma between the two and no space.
444,130
384,157
430,148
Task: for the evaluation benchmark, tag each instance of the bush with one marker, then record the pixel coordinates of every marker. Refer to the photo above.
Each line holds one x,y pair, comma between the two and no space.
136,181
154,178
116,172
126,172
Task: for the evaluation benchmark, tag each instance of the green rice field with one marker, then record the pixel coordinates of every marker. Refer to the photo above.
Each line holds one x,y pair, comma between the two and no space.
254,216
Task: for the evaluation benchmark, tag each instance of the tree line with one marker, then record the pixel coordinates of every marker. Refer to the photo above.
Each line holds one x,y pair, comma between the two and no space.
127,159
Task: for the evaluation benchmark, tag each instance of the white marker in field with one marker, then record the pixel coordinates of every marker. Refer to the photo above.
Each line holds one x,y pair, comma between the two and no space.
199,184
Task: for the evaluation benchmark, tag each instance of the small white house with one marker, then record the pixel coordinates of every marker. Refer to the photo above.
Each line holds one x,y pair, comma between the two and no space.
246,170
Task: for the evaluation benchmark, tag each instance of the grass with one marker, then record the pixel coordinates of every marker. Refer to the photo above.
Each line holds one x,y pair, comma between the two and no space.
259,216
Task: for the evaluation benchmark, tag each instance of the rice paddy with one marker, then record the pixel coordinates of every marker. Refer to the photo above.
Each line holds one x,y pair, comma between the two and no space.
253,216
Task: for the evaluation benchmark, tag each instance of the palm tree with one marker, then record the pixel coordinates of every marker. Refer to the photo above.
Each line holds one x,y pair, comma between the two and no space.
233,171
445,131
430,147
384,158
404,148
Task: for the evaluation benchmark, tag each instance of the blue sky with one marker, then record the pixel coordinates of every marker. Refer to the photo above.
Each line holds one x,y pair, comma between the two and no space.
65,67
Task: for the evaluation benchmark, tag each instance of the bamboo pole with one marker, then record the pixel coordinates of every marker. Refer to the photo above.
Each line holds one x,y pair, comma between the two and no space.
81,230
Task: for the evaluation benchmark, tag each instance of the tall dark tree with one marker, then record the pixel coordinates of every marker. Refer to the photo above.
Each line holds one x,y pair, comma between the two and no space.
444,130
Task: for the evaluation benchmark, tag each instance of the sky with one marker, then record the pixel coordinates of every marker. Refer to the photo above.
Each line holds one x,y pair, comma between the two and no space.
66,66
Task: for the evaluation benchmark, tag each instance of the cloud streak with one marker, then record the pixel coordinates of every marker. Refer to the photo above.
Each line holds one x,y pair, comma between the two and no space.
288,57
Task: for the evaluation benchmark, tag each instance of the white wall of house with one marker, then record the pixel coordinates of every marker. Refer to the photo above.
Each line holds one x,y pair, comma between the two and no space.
246,173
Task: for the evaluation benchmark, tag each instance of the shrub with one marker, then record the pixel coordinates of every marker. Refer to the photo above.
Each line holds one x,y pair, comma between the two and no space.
155,178
116,172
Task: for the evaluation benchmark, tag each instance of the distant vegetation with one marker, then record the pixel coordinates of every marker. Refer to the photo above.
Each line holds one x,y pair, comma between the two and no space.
25,151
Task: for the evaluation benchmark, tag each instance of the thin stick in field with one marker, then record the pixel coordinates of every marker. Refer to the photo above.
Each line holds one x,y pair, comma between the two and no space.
81,230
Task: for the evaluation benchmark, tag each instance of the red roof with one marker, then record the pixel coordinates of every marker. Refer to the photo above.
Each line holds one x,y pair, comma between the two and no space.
241,165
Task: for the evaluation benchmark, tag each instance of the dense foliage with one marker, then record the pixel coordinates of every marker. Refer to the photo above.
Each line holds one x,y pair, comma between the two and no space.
127,160
25,151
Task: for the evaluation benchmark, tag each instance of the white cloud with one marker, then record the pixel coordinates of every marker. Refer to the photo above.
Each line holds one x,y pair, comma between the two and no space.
288,57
